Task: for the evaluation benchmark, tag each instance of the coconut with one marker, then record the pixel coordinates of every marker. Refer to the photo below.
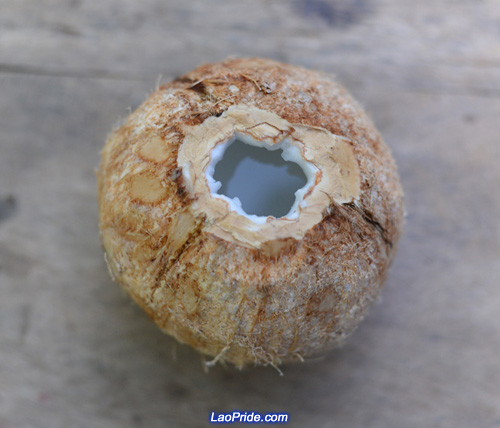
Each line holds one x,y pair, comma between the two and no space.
250,285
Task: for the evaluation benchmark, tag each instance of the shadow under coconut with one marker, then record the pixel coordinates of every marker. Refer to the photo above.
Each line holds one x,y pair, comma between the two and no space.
143,377
165,378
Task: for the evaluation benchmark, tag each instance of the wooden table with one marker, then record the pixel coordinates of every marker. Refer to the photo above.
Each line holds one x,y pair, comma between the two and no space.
74,350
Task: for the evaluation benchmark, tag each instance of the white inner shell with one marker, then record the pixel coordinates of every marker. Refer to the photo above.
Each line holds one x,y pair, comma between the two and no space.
290,153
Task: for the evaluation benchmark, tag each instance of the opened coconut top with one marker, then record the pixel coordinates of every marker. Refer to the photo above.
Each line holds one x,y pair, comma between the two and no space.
327,160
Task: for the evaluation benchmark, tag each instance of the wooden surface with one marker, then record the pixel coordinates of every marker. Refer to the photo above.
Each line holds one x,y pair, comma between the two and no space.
75,352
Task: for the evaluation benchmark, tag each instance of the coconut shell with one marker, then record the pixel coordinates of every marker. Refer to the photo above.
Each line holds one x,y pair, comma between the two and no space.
234,290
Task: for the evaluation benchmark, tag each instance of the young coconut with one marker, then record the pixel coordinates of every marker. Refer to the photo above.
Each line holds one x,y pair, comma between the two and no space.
241,286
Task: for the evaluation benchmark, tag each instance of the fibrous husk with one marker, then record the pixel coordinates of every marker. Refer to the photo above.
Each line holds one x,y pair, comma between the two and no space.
235,290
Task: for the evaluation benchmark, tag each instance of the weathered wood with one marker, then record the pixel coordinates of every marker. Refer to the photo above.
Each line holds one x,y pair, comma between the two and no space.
445,46
75,352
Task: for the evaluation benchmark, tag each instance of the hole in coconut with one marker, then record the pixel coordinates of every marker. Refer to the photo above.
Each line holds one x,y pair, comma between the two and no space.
259,180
